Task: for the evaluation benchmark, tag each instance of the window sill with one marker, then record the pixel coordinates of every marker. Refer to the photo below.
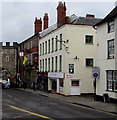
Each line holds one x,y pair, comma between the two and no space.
110,58
89,44
111,91
89,66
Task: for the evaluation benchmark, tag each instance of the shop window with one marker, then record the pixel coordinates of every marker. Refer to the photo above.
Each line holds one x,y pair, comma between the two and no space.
112,80
75,83
111,49
61,84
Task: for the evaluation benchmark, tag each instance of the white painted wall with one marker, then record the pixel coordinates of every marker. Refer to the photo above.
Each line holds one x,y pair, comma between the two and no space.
102,61
77,47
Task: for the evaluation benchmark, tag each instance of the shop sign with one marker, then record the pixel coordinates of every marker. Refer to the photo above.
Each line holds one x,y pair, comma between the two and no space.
56,75
43,75
69,75
71,68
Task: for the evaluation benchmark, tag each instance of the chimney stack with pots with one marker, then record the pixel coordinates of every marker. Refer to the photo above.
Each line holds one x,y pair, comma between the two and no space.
61,12
38,25
45,19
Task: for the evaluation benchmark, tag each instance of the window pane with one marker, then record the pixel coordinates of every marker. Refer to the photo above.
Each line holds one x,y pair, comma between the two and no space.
109,85
89,62
111,26
111,49
60,41
89,39
112,80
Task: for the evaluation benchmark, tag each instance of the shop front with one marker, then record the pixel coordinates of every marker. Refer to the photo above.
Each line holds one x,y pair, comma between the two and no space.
55,82
42,81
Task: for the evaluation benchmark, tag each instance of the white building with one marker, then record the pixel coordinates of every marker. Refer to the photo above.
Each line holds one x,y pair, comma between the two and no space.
67,54
107,55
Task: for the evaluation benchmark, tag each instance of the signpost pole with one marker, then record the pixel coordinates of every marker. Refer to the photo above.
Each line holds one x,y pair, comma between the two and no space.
95,89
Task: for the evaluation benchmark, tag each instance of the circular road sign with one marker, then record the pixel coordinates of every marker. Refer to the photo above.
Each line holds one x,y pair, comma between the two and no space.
95,75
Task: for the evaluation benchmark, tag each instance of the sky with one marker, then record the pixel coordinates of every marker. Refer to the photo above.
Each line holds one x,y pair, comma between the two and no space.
17,18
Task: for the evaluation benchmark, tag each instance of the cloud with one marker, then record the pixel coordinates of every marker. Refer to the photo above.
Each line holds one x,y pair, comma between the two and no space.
18,17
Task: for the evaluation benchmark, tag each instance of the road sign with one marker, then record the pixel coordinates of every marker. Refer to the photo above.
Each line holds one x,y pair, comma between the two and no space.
96,72
95,75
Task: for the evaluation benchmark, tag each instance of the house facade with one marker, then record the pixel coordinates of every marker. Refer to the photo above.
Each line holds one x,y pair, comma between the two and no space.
67,52
28,50
107,55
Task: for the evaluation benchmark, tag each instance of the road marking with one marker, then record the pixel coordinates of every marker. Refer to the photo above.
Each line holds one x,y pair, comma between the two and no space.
42,116
13,98
9,95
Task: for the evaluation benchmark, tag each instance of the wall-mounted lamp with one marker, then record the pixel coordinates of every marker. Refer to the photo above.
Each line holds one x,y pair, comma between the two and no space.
76,58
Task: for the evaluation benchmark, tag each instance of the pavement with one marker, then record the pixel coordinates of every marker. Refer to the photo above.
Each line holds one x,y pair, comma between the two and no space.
83,100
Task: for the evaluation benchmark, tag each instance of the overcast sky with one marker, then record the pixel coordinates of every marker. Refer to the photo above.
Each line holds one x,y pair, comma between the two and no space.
18,17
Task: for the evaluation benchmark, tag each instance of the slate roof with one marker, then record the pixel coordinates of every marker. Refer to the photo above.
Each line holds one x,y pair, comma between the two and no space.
110,16
75,20
86,21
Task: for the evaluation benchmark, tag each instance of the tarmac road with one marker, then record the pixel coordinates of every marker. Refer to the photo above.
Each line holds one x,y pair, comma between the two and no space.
22,105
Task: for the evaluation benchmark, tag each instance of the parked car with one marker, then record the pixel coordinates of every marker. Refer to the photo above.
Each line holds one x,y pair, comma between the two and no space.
6,83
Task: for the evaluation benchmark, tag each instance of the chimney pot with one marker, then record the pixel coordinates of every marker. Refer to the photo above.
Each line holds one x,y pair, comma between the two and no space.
90,15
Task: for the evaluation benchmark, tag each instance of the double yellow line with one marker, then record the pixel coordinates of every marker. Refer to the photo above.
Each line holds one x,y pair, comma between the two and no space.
42,116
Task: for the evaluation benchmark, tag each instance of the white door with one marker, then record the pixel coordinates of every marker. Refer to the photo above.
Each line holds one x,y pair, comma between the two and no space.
75,87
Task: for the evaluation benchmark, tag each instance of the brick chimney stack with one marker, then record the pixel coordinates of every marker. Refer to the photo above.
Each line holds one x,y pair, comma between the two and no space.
38,25
61,12
45,20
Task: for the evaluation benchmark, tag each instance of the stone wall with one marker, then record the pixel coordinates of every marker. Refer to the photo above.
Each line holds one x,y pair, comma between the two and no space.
9,58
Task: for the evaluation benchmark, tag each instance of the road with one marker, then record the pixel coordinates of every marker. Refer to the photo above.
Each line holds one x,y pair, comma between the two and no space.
18,104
